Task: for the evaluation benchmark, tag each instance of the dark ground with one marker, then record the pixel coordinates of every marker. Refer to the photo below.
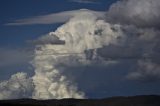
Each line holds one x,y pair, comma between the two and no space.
150,100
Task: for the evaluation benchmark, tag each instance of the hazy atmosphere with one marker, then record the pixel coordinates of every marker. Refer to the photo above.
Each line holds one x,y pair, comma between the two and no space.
56,49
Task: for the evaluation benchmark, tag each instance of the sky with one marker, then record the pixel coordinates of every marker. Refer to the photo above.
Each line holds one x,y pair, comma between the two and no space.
12,37
88,48
12,10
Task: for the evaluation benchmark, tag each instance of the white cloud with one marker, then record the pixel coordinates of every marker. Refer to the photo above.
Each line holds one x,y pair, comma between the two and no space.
60,17
18,86
49,80
80,34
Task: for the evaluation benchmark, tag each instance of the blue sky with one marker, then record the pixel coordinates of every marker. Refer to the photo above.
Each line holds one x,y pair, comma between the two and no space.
13,37
12,10
14,41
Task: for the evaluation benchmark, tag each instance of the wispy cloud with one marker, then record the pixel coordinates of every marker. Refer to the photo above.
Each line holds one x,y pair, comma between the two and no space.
86,1
11,57
53,18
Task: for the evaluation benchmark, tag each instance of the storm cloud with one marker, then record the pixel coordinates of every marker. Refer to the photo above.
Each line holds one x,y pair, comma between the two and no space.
129,31
142,13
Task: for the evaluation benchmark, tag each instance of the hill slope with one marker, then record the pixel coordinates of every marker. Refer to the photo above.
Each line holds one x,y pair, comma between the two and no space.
150,100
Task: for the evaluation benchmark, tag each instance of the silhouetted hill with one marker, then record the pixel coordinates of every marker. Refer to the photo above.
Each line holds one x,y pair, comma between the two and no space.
150,100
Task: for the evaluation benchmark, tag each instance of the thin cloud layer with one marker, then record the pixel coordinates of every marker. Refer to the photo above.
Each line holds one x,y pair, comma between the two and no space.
10,57
60,17
85,1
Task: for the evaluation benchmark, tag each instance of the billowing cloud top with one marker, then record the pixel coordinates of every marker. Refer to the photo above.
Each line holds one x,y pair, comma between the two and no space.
18,86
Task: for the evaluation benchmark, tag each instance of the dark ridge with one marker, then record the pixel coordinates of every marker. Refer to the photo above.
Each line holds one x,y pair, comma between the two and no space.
150,100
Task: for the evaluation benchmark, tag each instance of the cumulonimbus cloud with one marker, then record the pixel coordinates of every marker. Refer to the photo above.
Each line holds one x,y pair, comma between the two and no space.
89,38
50,60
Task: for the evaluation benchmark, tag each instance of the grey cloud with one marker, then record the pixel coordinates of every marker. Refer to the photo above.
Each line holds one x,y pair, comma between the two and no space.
140,45
141,42
143,13
136,43
145,43
48,39
147,70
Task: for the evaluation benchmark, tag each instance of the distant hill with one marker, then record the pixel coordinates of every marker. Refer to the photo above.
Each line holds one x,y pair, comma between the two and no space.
150,100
